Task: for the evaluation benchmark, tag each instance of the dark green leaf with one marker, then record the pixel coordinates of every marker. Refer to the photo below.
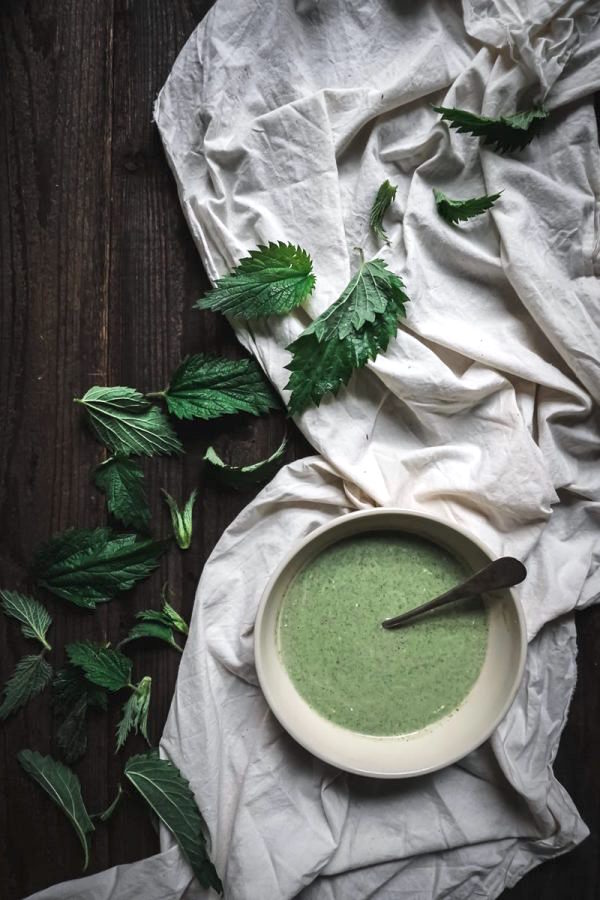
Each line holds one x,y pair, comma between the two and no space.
71,734
457,210
135,712
89,566
242,477
152,630
104,666
181,519
160,624
167,793
173,617
367,295
206,387
125,422
504,133
34,617
63,786
352,331
73,696
31,675
272,280
381,204
122,480
70,684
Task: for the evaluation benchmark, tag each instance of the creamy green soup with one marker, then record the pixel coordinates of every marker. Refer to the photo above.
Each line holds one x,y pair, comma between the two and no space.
360,675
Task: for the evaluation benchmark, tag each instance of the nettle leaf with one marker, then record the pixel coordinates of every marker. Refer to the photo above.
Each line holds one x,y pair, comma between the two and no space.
73,696
181,519
104,666
122,481
206,387
453,211
367,295
32,674
352,331
242,477
168,794
89,566
171,615
135,712
271,280
160,624
62,785
503,133
381,204
125,422
152,630
34,617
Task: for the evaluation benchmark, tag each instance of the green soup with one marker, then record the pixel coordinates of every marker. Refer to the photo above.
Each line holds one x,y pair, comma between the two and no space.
360,675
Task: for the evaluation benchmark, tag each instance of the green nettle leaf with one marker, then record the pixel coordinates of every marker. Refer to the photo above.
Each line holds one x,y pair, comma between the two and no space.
62,785
73,696
181,519
168,794
32,674
504,133
173,617
104,666
242,477
160,624
89,566
152,630
206,387
125,422
381,204
454,211
271,280
34,617
352,331
135,712
122,480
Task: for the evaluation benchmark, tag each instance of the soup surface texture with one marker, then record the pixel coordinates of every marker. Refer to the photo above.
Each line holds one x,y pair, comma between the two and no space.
360,675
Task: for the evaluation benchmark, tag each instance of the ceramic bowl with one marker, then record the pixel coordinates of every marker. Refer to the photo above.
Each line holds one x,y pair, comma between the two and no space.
444,741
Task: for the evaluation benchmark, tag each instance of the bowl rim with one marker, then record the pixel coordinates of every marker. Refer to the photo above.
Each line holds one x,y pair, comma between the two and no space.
305,741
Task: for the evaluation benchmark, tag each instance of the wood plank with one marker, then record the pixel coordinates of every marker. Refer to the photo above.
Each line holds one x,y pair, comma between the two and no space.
577,874
55,131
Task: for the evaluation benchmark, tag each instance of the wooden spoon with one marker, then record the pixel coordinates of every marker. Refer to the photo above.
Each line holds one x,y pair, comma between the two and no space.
501,573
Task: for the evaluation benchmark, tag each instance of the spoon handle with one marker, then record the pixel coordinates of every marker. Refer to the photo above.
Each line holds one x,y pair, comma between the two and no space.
501,573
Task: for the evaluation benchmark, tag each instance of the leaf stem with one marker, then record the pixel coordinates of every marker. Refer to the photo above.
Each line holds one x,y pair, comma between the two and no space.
107,813
155,394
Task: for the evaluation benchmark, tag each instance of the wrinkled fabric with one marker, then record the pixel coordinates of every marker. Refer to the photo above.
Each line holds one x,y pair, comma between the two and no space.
280,120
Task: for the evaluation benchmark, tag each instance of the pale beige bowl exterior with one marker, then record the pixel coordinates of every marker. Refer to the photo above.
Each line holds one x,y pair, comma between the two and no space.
443,742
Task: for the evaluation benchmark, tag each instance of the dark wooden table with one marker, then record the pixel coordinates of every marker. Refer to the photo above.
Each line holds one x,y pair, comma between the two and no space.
99,275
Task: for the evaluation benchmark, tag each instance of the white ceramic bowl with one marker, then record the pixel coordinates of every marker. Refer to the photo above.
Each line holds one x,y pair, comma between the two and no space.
444,741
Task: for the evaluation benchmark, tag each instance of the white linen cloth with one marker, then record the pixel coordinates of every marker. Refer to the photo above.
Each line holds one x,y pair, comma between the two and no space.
280,120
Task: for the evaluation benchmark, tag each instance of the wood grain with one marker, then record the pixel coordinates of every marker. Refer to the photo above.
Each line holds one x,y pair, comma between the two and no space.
99,275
